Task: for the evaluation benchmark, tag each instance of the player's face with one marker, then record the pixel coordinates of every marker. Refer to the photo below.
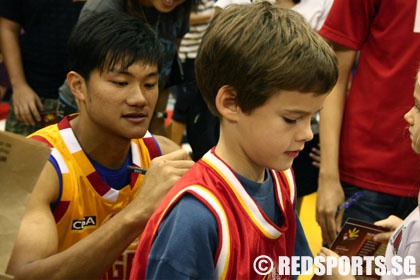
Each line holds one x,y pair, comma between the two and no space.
275,133
122,102
163,6
412,117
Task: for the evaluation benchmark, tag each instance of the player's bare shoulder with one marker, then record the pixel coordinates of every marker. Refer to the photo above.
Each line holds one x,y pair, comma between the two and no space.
166,145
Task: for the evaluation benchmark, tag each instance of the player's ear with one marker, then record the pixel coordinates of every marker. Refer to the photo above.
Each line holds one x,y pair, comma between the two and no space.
226,103
77,85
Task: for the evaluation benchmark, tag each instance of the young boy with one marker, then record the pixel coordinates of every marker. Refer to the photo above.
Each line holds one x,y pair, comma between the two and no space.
403,236
87,208
264,72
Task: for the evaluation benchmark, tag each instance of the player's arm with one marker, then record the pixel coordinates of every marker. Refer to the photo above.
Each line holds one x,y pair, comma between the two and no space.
35,254
166,145
330,193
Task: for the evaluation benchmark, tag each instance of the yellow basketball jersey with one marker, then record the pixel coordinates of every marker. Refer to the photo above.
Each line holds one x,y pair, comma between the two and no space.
86,201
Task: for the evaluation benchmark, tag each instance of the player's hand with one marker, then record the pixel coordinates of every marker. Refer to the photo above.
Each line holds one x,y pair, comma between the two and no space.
163,173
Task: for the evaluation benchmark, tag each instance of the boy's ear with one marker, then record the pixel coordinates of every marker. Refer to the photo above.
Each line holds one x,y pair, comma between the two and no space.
226,103
77,85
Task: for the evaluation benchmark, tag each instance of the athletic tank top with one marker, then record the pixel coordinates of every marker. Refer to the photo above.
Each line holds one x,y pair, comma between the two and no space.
245,232
86,201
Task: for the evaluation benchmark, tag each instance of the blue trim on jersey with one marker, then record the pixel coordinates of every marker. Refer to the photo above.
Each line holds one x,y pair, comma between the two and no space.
60,182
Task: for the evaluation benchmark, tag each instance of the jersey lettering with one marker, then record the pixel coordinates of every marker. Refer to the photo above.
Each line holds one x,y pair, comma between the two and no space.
88,221
121,267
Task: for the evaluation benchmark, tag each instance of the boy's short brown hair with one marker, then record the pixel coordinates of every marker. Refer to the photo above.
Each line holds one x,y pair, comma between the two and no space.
259,50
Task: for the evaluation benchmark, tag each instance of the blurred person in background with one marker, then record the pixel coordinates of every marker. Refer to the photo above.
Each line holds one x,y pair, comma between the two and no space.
363,143
33,38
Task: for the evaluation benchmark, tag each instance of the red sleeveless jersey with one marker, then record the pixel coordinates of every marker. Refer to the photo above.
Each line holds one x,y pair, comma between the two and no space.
245,232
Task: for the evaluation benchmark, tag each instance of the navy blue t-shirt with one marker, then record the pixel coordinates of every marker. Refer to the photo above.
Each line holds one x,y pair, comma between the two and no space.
186,244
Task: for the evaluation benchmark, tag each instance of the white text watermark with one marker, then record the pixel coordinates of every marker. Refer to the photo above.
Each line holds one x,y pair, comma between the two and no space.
321,265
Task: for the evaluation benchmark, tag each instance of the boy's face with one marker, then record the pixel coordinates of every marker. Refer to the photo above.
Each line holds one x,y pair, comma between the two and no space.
412,118
274,133
163,6
122,102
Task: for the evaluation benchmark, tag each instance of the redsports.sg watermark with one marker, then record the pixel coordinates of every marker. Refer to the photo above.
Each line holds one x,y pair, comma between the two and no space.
321,265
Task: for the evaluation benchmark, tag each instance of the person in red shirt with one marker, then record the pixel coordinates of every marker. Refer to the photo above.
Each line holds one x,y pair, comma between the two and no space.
362,132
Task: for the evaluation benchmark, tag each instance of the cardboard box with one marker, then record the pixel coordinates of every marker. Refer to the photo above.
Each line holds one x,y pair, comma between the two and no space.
21,162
